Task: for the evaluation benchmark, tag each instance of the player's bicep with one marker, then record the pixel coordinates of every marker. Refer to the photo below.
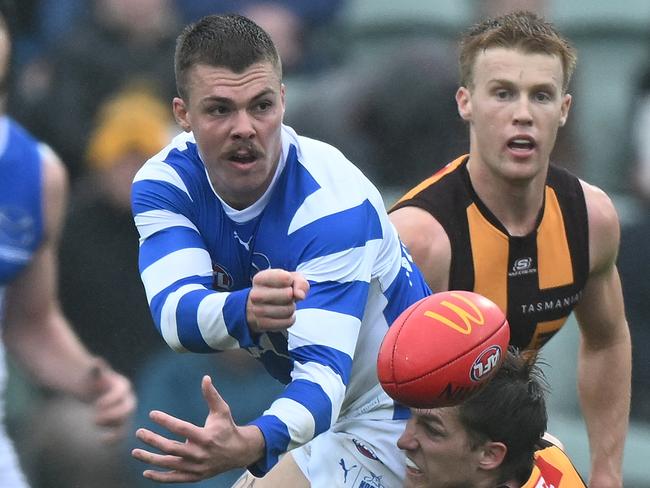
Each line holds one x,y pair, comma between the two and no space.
427,242
600,312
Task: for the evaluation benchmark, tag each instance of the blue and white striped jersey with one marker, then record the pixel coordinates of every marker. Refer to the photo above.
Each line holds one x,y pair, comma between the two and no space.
320,217
21,234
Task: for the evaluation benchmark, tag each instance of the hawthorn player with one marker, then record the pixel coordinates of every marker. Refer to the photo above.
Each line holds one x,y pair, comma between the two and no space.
505,223
493,439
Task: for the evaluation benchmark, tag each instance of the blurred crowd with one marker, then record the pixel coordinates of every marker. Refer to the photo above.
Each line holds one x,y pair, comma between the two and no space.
94,79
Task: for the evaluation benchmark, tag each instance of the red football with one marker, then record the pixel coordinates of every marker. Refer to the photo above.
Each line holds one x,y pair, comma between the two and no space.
442,349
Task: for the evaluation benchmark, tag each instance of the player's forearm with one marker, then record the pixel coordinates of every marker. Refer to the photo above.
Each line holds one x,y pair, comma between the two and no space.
54,356
604,389
194,318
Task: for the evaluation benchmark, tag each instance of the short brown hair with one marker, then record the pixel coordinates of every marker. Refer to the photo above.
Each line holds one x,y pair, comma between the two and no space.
518,30
231,41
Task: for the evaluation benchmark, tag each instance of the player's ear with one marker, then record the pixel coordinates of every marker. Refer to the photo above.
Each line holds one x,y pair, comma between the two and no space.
180,114
492,455
564,109
464,102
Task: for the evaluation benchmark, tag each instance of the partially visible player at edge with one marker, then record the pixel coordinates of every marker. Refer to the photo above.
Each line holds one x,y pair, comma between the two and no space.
493,439
505,223
34,331
247,228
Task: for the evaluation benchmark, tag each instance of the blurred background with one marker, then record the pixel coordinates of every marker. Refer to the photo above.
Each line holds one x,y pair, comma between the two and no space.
376,78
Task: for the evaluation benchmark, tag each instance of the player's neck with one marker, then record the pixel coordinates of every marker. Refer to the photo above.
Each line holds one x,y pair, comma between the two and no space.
515,203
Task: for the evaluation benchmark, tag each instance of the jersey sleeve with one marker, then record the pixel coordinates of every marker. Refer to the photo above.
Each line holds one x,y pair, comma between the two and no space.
323,340
176,269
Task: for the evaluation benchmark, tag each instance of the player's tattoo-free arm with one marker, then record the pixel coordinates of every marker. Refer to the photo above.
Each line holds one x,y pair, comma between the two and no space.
604,363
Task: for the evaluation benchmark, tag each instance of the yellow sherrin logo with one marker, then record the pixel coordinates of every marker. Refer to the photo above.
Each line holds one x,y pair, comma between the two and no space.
465,316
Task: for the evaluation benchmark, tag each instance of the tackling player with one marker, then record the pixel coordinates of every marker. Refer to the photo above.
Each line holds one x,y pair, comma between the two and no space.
492,440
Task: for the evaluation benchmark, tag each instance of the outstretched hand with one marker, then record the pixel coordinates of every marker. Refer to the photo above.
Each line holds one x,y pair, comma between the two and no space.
271,304
217,447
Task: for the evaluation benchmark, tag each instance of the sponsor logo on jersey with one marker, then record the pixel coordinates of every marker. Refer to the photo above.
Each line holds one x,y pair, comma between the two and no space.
521,267
259,262
221,278
365,450
346,469
485,363
550,305
371,481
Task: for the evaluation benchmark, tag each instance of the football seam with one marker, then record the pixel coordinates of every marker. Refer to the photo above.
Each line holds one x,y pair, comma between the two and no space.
394,351
447,364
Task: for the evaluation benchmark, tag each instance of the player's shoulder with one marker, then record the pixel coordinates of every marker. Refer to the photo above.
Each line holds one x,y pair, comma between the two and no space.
600,207
174,164
604,225
327,164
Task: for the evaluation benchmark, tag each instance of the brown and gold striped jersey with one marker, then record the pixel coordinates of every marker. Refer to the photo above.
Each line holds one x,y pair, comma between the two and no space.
538,278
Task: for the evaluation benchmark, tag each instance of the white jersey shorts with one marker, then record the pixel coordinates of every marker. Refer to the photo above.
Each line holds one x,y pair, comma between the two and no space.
355,454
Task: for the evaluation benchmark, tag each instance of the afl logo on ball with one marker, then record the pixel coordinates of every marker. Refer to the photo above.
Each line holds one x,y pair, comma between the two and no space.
485,363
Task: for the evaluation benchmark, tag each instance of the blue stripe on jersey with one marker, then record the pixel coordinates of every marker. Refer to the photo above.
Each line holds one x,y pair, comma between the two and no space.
407,288
338,361
167,241
351,228
158,300
187,319
311,396
277,366
401,412
158,195
234,315
276,437
346,298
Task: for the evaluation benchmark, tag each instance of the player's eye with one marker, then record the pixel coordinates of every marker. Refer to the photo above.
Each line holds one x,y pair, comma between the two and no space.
543,97
263,106
502,94
218,109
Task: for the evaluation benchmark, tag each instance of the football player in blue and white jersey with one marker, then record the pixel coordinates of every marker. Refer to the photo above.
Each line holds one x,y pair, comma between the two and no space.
254,237
35,333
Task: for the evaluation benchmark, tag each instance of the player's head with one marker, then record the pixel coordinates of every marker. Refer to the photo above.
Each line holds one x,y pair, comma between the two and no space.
487,440
229,80
228,41
523,31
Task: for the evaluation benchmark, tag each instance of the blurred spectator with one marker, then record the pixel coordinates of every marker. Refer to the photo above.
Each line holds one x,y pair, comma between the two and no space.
100,286
101,291
396,117
292,24
633,262
58,92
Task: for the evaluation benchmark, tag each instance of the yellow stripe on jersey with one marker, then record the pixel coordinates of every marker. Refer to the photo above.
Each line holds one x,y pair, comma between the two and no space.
433,178
490,258
543,332
554,259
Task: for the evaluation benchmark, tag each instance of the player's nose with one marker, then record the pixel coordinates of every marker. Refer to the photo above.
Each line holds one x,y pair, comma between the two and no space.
243,126
407,440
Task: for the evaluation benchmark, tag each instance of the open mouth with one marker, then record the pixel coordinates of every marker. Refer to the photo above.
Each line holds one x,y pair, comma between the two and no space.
245,157
412,467
522,143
